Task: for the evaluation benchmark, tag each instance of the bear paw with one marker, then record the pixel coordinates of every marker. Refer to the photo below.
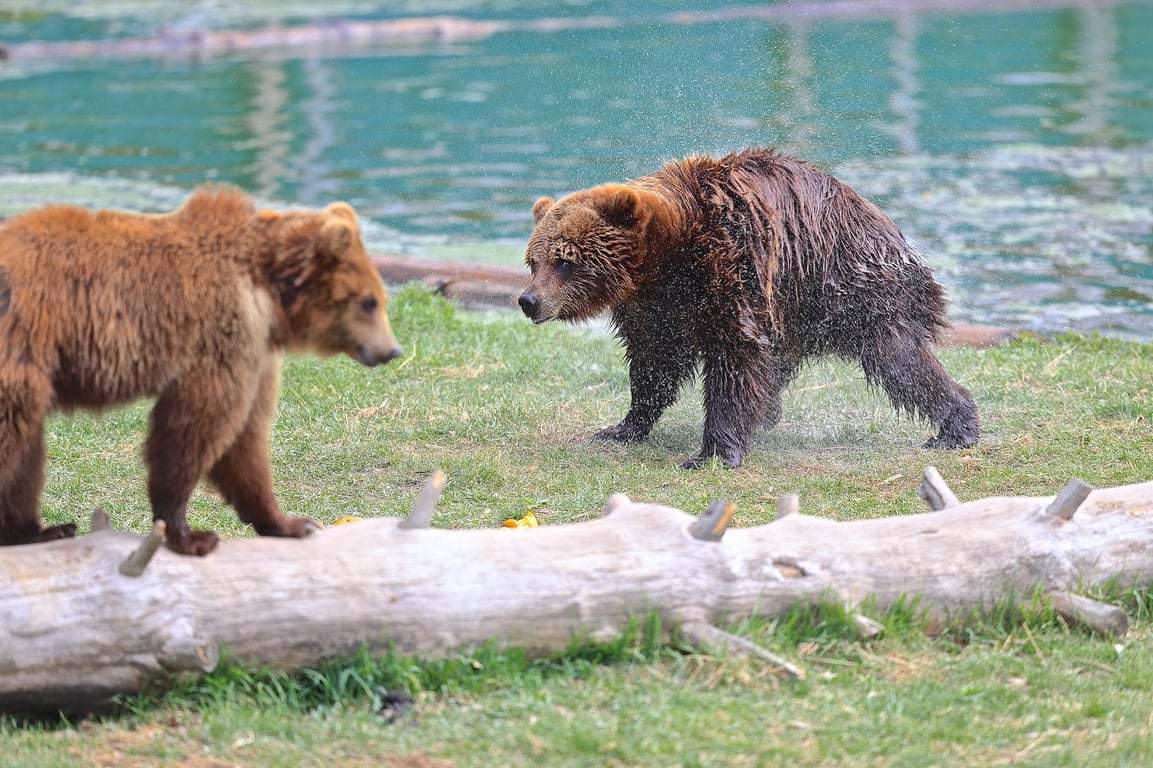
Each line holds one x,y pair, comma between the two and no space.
730,460
621,433
950,442
198,543
51,533
289,528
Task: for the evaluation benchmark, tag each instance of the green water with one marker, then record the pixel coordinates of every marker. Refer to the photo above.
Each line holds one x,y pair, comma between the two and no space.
1015,148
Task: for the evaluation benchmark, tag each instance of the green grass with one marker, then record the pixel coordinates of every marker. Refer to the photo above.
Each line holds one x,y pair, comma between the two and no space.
505,409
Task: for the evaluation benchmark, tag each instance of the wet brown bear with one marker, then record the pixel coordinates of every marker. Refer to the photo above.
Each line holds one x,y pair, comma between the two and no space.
745,266
193,307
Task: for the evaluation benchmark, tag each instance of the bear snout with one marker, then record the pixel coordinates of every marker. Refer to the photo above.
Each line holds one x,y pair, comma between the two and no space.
372,358
530,305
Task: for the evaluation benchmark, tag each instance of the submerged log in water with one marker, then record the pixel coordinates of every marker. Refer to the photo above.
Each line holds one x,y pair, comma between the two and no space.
338,34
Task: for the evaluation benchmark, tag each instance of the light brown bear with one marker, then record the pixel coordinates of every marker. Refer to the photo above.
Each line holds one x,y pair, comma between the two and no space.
746,267
194,308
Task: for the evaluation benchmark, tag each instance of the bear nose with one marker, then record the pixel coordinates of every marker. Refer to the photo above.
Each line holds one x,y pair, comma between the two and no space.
373,358
528,303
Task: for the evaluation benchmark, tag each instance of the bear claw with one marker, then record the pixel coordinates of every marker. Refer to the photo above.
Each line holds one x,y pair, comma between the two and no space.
54,533
290,528
198,543
697,462
619,434
950,442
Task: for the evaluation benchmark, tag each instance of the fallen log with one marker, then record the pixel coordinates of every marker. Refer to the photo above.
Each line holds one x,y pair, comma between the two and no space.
87,619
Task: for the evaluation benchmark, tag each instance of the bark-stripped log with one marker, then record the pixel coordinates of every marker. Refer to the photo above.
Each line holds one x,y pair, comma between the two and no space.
75,630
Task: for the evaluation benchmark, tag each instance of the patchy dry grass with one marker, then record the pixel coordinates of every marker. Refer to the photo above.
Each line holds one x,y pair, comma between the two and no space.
505,409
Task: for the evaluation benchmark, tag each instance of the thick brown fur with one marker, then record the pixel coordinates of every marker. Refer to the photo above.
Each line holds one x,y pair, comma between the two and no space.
193,308
744,267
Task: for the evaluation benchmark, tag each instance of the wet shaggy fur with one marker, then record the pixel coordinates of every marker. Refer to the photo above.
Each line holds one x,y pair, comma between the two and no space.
193,308
744,267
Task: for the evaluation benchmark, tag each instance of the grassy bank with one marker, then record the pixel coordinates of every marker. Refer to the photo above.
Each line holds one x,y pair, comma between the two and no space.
505,409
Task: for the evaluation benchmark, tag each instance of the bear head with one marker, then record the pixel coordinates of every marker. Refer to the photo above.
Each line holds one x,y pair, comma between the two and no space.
591,250
332,295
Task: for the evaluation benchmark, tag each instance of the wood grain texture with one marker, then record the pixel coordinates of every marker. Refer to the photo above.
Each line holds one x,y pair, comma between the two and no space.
74,631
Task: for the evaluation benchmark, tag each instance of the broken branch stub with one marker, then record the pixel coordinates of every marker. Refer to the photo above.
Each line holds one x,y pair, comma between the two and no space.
100,520
135,563
935,491
704,634
1100,617
788,504
711,525
1065,505
425,504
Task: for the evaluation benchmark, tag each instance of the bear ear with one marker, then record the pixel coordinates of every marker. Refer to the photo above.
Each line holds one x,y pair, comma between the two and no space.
335,237
342,210
620,206
540,208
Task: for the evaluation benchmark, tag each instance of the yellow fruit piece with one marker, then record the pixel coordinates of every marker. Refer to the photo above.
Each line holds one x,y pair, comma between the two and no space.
348,519
528,521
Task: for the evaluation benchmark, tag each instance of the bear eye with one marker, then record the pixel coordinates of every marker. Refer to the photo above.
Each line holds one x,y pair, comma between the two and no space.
369,305
564,266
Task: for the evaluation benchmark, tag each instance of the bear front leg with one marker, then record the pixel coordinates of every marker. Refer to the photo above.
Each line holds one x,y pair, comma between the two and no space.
24,398
657,369
194,421
735,398
243,475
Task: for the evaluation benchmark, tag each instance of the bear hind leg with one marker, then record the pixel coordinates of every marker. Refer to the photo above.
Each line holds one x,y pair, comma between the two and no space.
24,399
916,381
781,372
20,498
